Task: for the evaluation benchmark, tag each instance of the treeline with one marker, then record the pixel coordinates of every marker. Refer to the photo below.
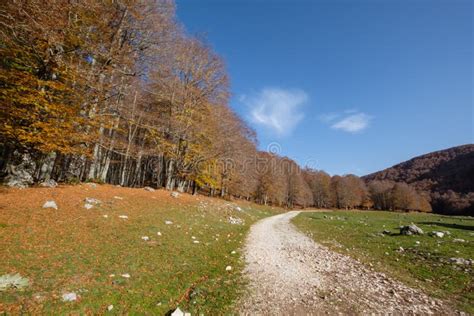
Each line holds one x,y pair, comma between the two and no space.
350,191
117,92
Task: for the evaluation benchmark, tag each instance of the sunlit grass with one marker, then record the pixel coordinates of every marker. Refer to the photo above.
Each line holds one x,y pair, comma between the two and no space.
425,264
78,250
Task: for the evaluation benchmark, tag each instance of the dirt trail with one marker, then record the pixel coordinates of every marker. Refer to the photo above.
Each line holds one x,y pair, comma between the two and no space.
290,274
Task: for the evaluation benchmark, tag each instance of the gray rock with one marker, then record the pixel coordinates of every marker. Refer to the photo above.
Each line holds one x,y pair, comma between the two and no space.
13,281
411,230
235,221
461,261
88,206
149,189
69,297
21,174
178,312
92,201
50,204
174,194
458,240
49,184
437,234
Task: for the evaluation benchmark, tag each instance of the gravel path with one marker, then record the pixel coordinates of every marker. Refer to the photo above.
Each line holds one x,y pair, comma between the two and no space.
290,274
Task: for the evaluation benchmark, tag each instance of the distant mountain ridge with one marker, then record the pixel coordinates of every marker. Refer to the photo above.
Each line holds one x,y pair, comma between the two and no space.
448,175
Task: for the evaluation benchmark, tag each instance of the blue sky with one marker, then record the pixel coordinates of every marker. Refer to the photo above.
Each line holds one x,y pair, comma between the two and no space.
346,86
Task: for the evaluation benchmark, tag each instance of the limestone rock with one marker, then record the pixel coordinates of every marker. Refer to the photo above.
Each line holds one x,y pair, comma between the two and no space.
411,230
50,204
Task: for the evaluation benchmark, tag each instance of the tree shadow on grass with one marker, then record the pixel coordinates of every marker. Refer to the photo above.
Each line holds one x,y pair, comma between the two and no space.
449,225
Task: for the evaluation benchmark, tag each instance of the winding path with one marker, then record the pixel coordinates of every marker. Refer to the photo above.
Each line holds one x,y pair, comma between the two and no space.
290,274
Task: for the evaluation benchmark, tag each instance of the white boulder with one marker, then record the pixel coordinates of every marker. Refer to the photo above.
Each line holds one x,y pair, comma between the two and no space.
50,204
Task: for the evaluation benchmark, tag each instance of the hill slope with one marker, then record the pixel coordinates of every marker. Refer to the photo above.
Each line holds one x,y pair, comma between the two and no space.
448,175
135,252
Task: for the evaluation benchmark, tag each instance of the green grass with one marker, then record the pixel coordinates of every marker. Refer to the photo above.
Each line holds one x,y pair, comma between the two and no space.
75,250
424,265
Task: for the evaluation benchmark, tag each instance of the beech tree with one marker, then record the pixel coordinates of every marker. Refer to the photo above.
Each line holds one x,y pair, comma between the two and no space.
319,183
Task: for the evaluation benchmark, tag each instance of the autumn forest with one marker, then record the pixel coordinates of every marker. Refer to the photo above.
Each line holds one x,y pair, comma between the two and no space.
119,93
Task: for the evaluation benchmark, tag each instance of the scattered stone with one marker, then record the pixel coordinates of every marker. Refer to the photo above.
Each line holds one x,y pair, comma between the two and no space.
417,242
233,252
92,185
192,237
235,221
13,281
110,307
118,197
123,216
69,297
178,312
228,268
195,241
149,189
238,209
458,240
145,238
112,275
92,201
88,206
461,261
437,234
49,184
105,216
50,204
168,222
174,194
126,275
387,232
411,230
158,233
400,249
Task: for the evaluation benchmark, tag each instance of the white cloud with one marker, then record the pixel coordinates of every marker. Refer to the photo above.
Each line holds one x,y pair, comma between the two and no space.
277,109
328,117
353,123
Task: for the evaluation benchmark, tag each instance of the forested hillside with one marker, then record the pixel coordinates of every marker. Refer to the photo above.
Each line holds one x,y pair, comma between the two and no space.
447,174
119,93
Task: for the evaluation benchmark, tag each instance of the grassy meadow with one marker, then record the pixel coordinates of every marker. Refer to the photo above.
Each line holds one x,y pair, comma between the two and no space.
104,260
422,261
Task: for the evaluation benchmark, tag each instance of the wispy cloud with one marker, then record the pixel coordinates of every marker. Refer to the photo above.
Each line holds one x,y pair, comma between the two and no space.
328,117
351,120
276,109
353,123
